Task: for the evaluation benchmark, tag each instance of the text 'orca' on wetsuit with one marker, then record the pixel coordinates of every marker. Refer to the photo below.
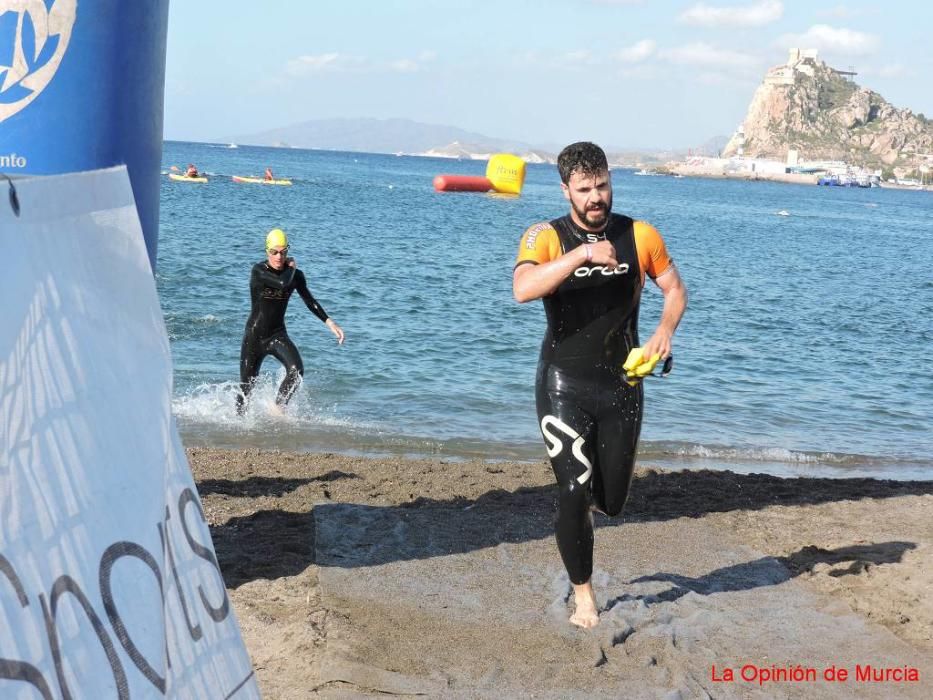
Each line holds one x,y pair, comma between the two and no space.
589,416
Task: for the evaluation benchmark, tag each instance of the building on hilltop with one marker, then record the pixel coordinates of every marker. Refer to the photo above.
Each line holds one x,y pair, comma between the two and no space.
798,55
798,61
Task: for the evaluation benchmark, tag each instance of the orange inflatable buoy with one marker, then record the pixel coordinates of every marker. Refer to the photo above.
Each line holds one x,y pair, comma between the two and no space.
462,183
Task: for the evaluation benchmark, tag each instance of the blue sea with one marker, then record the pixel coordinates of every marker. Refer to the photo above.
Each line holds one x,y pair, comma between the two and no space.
807,347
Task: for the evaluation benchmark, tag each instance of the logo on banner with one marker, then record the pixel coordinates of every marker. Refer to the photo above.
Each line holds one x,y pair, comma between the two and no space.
33,41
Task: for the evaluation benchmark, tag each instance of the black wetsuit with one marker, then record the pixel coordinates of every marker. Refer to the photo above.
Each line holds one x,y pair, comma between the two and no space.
589,416
265,328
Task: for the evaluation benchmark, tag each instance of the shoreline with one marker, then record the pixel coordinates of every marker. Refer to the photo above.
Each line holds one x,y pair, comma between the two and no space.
788,178
663,454
345,573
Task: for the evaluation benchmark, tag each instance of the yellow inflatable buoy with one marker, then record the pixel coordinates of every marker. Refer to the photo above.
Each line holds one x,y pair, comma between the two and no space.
506,173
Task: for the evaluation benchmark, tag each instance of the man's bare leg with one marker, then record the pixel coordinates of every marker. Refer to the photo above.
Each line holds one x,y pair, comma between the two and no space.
585,614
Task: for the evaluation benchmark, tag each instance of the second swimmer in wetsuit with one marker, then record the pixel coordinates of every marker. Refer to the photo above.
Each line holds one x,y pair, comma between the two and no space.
589,268
271,284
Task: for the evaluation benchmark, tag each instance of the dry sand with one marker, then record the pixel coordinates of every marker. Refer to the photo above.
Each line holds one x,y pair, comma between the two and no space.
357,577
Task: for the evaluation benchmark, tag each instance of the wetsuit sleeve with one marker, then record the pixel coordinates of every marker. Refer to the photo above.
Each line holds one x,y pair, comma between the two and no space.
540,244
652,253
269,278
301,286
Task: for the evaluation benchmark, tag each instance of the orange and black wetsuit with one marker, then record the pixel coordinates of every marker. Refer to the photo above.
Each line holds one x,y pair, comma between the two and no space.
589,416
265,329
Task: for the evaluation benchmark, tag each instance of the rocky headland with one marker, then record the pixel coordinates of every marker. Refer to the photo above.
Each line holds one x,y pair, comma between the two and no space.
821,113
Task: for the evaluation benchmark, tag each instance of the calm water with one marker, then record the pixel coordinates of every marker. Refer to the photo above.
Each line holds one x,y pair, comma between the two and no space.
806,349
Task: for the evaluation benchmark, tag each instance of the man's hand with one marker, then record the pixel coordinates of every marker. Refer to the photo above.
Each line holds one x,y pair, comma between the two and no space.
336,330
604,253
290,262
658,344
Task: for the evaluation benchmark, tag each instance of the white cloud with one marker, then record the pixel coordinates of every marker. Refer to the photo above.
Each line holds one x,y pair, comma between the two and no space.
826,38
637,52
320,63
644,58
755,15
701,54
710,65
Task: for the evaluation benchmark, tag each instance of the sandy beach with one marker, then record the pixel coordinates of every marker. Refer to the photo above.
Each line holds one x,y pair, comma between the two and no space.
356,577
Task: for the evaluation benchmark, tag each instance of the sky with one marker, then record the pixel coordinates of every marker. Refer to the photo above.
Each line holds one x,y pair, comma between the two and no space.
623,73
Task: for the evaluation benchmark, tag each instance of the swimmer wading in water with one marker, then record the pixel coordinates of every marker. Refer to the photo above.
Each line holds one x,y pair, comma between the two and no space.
271,284
589,268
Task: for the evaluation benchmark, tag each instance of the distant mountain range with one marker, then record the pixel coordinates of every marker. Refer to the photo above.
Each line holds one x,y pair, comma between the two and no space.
416,138
376,136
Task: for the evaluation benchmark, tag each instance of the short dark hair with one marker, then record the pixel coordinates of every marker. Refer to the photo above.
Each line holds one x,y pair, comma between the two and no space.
583,156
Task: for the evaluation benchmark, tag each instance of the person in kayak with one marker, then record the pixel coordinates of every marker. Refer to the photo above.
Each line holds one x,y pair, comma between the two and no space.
589,267
271,284
268,175
191,171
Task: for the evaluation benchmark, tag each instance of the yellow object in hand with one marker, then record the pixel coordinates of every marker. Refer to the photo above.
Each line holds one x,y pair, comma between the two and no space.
635,358
637,366
646,367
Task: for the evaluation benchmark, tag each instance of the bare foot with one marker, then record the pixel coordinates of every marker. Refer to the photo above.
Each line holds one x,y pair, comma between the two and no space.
585,614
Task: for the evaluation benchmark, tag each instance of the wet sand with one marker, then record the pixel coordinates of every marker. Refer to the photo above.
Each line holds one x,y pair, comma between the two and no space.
358,576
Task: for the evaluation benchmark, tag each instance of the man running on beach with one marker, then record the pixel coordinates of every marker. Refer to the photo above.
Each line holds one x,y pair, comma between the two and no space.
271,283
589,269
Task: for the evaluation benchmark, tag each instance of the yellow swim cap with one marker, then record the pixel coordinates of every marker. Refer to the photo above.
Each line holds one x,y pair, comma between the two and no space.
276,239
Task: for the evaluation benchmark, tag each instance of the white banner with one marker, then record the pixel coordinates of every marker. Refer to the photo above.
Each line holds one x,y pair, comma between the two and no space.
109,586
